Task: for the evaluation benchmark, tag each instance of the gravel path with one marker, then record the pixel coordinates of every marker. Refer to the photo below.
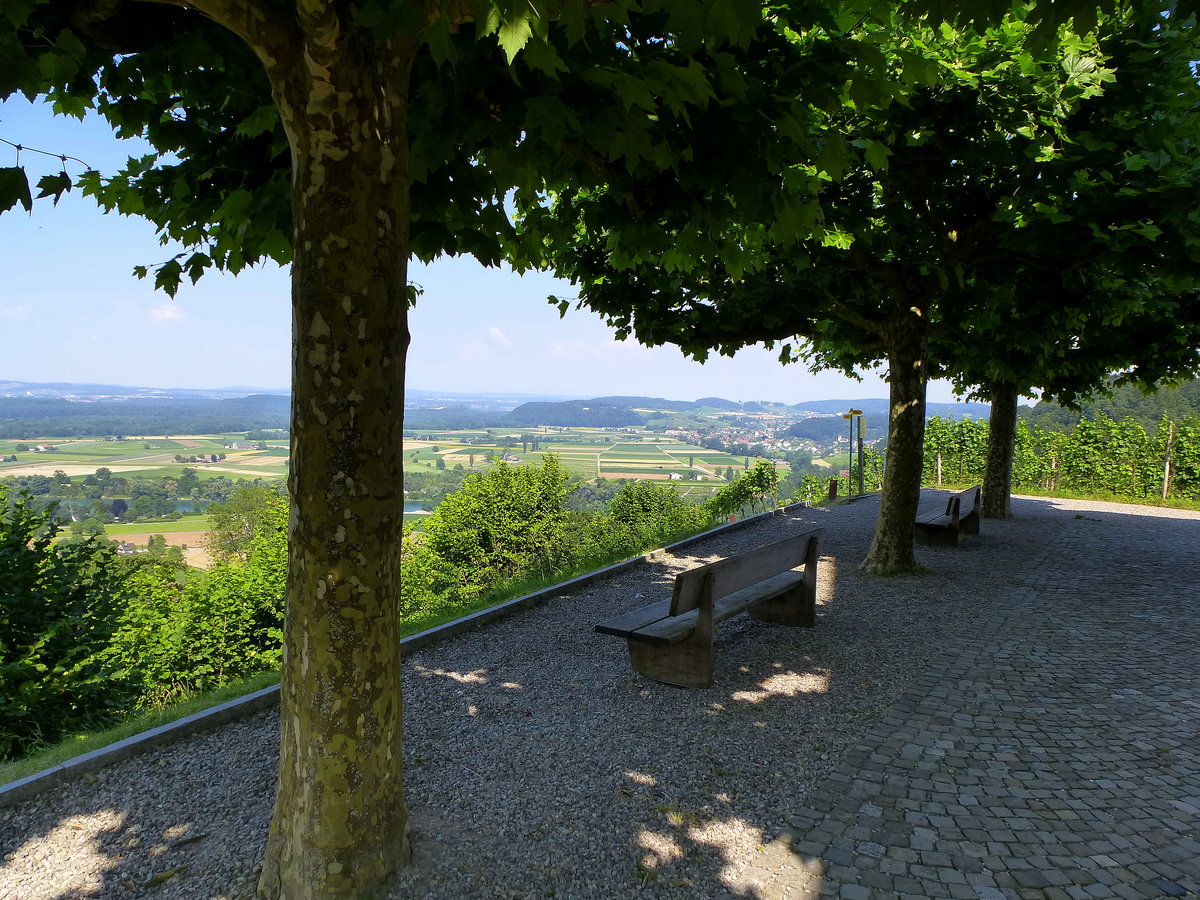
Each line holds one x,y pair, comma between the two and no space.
538,765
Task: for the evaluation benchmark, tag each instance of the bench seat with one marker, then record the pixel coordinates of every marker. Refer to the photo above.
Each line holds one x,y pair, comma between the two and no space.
672,640
942,529
668,629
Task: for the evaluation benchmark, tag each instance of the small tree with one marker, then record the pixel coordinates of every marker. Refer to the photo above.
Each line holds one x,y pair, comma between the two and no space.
58,608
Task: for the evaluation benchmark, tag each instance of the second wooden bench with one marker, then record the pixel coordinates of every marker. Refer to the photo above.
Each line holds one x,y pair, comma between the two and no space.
672,640
941,529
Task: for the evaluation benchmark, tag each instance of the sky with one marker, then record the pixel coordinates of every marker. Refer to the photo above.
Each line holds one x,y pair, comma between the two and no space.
72,311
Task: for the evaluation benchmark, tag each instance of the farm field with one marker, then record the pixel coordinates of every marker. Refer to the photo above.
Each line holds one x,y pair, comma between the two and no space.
588,453
198,524
146,456
192,542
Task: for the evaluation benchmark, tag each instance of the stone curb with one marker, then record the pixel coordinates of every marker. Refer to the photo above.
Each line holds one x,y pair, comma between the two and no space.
240,707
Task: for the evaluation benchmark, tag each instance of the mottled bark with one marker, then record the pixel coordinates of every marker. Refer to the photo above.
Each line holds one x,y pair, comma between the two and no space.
339,827
1002,434
891,550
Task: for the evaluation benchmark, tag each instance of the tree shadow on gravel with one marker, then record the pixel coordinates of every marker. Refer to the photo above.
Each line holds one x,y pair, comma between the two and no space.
609,785
165,823
561,773
538,764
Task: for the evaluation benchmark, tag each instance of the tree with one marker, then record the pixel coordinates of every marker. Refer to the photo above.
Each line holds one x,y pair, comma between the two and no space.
235,524
919,203
498,525
230,89
58,607
345,137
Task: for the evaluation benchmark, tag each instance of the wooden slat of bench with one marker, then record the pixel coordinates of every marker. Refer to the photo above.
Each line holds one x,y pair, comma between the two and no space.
738,572
969,510
625,624
961,517
673,629
936,520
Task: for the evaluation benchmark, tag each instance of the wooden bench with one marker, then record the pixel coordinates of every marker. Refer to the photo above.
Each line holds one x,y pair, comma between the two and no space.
941,529
672,640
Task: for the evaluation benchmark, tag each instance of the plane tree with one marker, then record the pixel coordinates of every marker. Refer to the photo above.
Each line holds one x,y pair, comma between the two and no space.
914,176
343,137
1104,291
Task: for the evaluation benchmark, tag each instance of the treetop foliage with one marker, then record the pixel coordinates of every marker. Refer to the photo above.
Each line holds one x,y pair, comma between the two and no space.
621,97
958,161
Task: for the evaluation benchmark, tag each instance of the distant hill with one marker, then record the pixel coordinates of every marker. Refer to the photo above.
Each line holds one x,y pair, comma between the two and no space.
29,409
30,417
1175,403
576,413
879,407
89,392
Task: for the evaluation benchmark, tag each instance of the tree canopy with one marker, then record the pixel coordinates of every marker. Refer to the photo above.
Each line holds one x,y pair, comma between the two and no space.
977,182
346,136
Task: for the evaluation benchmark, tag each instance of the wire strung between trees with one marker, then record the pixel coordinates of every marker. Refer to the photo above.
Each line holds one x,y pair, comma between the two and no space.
60,156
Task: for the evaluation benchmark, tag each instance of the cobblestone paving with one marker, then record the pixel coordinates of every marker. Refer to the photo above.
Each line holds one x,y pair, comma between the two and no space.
1053,754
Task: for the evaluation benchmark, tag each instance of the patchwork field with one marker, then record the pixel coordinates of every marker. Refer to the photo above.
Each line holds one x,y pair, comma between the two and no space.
588,453
145,456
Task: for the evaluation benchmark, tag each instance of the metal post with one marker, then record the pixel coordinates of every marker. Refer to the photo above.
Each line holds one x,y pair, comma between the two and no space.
849,416
850,463
861,429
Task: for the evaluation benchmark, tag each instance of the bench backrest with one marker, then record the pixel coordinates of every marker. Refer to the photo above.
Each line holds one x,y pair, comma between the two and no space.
743,570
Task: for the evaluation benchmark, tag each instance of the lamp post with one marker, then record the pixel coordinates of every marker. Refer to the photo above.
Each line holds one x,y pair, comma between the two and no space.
849,416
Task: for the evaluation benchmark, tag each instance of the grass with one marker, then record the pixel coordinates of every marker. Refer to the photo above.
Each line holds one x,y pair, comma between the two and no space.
1192,505
187,523
54,754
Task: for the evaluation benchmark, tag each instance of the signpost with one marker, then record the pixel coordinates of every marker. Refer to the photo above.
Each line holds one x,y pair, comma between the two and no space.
849,416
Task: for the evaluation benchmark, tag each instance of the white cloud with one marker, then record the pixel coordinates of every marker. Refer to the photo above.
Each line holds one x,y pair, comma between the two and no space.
499,337
166,312
566,349
15,313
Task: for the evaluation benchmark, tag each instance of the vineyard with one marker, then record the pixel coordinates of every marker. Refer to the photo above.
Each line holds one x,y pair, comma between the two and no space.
1099,458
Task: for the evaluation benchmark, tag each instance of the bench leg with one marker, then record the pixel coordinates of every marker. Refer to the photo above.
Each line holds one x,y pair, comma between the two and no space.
936,537
795,607
687,664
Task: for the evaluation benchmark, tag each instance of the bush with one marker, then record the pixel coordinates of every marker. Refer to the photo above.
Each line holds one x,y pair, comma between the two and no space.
58,605
182,631
645,514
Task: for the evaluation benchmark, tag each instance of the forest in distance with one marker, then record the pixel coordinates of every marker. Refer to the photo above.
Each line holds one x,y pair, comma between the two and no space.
29,410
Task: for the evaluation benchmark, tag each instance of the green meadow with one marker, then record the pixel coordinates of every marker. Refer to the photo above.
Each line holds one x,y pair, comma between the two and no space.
587,453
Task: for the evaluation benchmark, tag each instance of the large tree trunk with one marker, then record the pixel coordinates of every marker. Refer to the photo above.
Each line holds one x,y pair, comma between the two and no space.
339,827
891,551
1002,435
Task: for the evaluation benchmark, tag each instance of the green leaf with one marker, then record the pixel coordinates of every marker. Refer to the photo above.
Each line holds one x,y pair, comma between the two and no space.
513,35
541,57
737,20
168,276
573,17
437,38
262,120
14,189
196,265
54,186
386,19
877,154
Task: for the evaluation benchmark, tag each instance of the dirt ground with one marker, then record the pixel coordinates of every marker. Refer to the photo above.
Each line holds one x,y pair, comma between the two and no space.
194,555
